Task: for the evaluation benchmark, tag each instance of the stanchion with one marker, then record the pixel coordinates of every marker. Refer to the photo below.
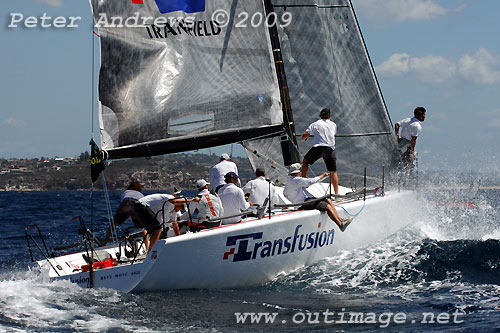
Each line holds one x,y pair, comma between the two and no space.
364,189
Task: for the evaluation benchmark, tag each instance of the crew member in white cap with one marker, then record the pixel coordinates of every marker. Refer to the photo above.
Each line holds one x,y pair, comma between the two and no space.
207,204
216,175
294,191
232,198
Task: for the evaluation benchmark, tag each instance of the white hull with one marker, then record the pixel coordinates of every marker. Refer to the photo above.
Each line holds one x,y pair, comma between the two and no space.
245,254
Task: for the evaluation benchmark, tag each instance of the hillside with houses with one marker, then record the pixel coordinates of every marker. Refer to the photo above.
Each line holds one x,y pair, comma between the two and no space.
162,173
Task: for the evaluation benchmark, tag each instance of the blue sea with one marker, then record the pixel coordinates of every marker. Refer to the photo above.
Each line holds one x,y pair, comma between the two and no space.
439,273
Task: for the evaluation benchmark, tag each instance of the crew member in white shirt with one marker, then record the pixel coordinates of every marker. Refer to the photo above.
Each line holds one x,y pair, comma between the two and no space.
158,201
217,172
126,209
260,189
324,131
233,199
294,191
164,207
206,206
142,216
410,130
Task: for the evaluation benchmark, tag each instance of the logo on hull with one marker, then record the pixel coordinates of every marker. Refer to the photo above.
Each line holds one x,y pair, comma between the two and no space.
247,247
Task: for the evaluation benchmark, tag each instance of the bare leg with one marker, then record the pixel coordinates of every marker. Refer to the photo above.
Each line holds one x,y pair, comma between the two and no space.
305,168
175,226
332,213
146,239
108,234
334,178
155,235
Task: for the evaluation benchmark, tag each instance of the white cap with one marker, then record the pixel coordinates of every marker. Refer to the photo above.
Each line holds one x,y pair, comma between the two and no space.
224,156
201,183
174,191
294,168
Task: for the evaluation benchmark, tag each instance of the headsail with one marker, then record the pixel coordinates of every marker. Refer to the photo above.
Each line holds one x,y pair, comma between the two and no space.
178,82
327,65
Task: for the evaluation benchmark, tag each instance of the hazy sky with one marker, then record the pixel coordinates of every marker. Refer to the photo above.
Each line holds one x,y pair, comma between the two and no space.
441,54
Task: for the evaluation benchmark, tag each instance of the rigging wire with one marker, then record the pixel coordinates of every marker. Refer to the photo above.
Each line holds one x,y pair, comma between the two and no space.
114,235
93,81
91,275
345,210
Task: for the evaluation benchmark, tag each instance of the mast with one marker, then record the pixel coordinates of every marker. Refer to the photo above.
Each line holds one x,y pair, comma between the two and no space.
288,141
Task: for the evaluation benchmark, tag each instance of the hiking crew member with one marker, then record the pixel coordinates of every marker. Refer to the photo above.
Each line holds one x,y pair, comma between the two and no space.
410,130
294,191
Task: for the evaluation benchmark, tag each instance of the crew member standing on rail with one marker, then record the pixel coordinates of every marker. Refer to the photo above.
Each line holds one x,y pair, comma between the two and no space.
216,175
324,131
410,130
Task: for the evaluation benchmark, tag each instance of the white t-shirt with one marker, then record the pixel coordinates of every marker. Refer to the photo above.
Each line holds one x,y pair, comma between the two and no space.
207,207
218,171
156,201
294,188
259,191
233,202
324,131
131,194
409,127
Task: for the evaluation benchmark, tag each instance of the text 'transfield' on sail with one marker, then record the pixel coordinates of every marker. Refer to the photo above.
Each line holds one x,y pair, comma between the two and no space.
184,27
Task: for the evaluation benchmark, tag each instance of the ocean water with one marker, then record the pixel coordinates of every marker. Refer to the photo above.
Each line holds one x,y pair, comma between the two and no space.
440,273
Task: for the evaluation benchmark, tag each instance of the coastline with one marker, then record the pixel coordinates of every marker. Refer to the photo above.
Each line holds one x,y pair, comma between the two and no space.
429,187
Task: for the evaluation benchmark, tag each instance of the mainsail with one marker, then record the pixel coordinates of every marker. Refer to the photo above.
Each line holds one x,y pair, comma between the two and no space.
177,82
327,65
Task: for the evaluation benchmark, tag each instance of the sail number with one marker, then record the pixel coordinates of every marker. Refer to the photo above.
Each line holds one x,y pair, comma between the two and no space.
95,160
255,20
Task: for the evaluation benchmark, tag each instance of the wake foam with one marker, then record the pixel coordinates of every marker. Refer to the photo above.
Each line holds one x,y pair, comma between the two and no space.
30,302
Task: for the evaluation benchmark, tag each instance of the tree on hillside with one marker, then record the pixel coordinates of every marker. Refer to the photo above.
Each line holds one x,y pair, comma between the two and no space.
85,156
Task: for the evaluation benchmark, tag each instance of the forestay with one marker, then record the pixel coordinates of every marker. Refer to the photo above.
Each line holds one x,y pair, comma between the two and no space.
183,83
